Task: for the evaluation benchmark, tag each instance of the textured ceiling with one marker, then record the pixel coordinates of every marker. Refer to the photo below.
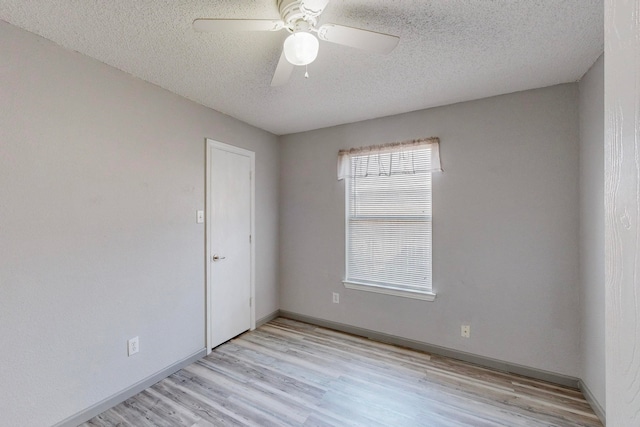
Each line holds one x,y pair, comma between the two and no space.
449,51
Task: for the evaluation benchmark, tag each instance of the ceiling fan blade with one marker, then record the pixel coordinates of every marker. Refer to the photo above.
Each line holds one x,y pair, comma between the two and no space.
283,71
215,25
313,7
358,38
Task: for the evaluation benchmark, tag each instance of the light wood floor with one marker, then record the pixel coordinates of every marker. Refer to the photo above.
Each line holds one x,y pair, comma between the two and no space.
288,373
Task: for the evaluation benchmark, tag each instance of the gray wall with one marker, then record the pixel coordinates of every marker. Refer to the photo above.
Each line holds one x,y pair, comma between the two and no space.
101,175
592,230
505,229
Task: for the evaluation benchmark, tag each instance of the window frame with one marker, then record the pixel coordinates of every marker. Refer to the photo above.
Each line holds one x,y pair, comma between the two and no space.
425,295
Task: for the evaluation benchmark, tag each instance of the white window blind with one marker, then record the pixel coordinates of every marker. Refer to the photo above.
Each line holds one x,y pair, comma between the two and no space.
388,218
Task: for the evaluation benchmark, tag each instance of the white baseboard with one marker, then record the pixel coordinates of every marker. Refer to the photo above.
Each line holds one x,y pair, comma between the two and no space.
595,405
267,318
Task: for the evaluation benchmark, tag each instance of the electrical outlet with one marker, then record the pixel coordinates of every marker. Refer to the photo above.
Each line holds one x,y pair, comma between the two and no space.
336,298
465,331
133,346
199,217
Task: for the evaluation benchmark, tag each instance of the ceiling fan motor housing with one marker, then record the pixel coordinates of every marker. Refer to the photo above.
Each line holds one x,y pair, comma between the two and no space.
296,17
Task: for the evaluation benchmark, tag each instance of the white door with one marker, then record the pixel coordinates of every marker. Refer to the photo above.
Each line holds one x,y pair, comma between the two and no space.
229,241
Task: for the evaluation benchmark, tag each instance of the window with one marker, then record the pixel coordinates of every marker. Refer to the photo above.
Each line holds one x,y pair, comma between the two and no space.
388,218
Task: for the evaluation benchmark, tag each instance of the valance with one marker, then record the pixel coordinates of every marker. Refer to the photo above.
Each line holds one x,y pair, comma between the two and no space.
399,166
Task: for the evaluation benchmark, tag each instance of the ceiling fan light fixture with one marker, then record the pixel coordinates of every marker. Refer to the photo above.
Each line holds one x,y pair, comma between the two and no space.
301,48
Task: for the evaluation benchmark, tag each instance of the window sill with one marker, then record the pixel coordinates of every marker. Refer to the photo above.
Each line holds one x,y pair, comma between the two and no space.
425,296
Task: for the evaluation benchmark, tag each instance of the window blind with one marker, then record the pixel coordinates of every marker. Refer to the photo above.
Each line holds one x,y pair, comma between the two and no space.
389,220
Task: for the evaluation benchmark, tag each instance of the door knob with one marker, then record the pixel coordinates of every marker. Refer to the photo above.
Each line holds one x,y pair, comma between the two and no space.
217,258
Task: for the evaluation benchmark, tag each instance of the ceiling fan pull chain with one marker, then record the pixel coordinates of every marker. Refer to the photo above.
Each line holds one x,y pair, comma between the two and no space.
306,71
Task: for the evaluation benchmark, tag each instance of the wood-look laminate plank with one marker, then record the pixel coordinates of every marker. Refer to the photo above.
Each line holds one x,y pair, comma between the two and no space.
106,419
288,373
171,413
185,393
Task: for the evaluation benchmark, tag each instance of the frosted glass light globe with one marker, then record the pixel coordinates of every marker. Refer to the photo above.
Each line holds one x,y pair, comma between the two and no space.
301,48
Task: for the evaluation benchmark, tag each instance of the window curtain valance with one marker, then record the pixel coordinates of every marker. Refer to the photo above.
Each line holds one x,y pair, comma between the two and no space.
383,161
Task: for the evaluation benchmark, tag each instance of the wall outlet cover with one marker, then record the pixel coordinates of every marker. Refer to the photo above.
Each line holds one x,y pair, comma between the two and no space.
133,346
465,331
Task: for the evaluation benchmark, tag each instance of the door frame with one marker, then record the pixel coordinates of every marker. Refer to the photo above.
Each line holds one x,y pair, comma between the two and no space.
211,144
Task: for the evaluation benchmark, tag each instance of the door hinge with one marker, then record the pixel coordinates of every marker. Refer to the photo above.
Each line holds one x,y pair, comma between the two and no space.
249,238
249,301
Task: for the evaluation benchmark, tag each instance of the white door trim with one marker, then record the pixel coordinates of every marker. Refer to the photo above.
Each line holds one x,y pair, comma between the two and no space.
210,143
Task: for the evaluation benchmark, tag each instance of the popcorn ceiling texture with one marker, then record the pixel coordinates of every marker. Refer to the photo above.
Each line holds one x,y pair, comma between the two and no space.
449,51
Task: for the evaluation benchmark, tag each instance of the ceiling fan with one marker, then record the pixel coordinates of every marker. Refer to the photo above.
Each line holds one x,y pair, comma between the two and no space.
300,18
